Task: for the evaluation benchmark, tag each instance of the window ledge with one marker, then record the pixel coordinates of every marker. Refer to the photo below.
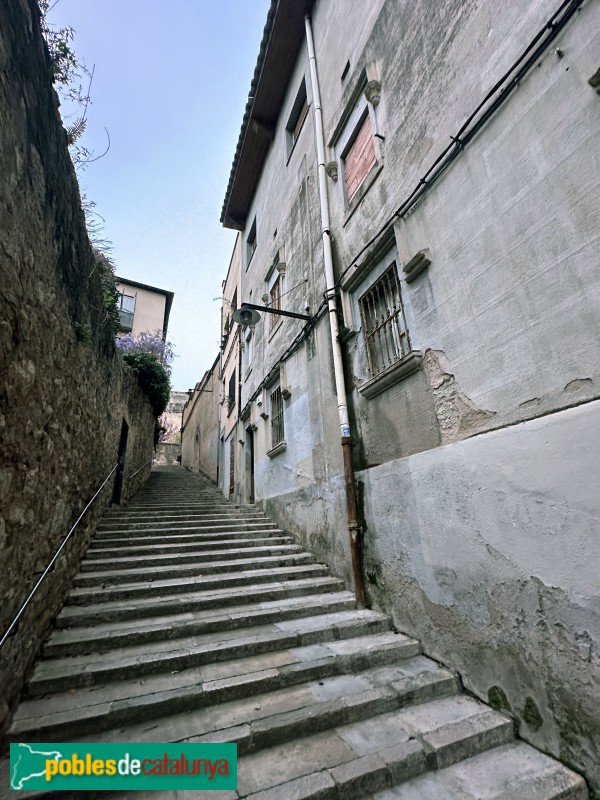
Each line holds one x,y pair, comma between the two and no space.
394,374
362,190
275,451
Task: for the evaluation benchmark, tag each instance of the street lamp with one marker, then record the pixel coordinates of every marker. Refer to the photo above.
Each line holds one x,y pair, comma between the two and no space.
247,314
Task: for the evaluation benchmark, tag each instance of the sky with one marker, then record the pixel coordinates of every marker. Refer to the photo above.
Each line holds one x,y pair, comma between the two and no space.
170,85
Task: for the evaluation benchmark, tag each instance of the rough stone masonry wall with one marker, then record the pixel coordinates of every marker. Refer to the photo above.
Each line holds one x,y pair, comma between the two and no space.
64,390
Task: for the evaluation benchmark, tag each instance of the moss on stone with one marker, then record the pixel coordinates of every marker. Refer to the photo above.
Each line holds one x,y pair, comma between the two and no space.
497,699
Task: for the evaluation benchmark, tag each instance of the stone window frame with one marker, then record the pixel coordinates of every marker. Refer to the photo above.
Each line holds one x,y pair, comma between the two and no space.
297,119
251,242
275,276
351,122
277,419
248,351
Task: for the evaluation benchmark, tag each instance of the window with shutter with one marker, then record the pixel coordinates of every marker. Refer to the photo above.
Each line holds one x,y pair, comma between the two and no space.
359,158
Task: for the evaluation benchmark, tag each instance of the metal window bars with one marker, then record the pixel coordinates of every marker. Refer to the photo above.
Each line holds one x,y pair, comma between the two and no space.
277,432
383,322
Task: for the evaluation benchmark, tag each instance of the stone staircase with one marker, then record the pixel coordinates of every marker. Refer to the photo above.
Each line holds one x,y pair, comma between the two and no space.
194,620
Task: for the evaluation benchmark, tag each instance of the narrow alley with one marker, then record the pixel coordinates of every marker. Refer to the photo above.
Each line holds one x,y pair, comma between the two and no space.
196,620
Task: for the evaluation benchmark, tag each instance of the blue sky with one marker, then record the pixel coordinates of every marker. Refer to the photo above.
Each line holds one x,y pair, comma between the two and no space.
170,85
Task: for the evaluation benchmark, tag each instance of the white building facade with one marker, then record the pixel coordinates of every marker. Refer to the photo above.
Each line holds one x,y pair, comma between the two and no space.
462,191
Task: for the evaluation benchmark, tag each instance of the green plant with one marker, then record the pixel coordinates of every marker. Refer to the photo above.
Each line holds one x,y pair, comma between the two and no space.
152,377
110,294
83,332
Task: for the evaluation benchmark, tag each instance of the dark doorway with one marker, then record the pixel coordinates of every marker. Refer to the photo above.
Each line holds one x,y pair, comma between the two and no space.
118,489
232,466
250,464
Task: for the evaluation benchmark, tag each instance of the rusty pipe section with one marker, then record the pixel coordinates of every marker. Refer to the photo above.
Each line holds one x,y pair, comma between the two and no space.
354,529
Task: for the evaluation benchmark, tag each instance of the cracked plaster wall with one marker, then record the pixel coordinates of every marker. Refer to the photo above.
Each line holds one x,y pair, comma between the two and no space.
487,550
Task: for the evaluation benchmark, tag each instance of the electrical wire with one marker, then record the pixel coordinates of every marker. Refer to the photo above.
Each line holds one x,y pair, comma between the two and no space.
466,133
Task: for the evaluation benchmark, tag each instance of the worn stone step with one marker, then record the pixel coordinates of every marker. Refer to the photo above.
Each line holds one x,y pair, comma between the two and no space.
187,557
171,522
166,529
244,578
148,551
259,720
352,760
62,674
176,538
303,692
512,772
179,510
103,637
196,602
130,574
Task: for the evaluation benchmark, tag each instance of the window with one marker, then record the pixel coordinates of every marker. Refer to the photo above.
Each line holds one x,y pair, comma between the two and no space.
297,117
384,325
231,392
126,308
248,347
251,242
275,300
359,157
277,431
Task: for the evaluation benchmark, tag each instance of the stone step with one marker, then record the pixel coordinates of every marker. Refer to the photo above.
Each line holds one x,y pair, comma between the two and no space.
512,772
186,557
193,602
103,637
129,574
141,521
244,578
296,697
134,662
354,759
176,538
143,518
100,553
166,529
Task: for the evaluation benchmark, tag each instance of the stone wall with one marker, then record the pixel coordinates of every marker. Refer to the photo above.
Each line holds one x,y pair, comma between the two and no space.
64,390
168,454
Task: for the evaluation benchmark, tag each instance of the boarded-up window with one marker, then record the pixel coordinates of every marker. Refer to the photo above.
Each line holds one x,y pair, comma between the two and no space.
359,158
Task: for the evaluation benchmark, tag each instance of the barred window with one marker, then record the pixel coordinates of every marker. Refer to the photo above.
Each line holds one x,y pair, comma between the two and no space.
383,322
277,432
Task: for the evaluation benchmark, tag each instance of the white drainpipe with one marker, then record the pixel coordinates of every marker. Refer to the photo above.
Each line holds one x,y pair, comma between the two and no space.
340,383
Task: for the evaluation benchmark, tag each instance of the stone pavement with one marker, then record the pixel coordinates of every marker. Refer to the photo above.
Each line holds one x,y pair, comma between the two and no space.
194,620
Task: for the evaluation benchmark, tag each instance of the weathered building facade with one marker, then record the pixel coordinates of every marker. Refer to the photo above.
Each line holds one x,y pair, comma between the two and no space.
200,426
143,308
460,203
230,378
